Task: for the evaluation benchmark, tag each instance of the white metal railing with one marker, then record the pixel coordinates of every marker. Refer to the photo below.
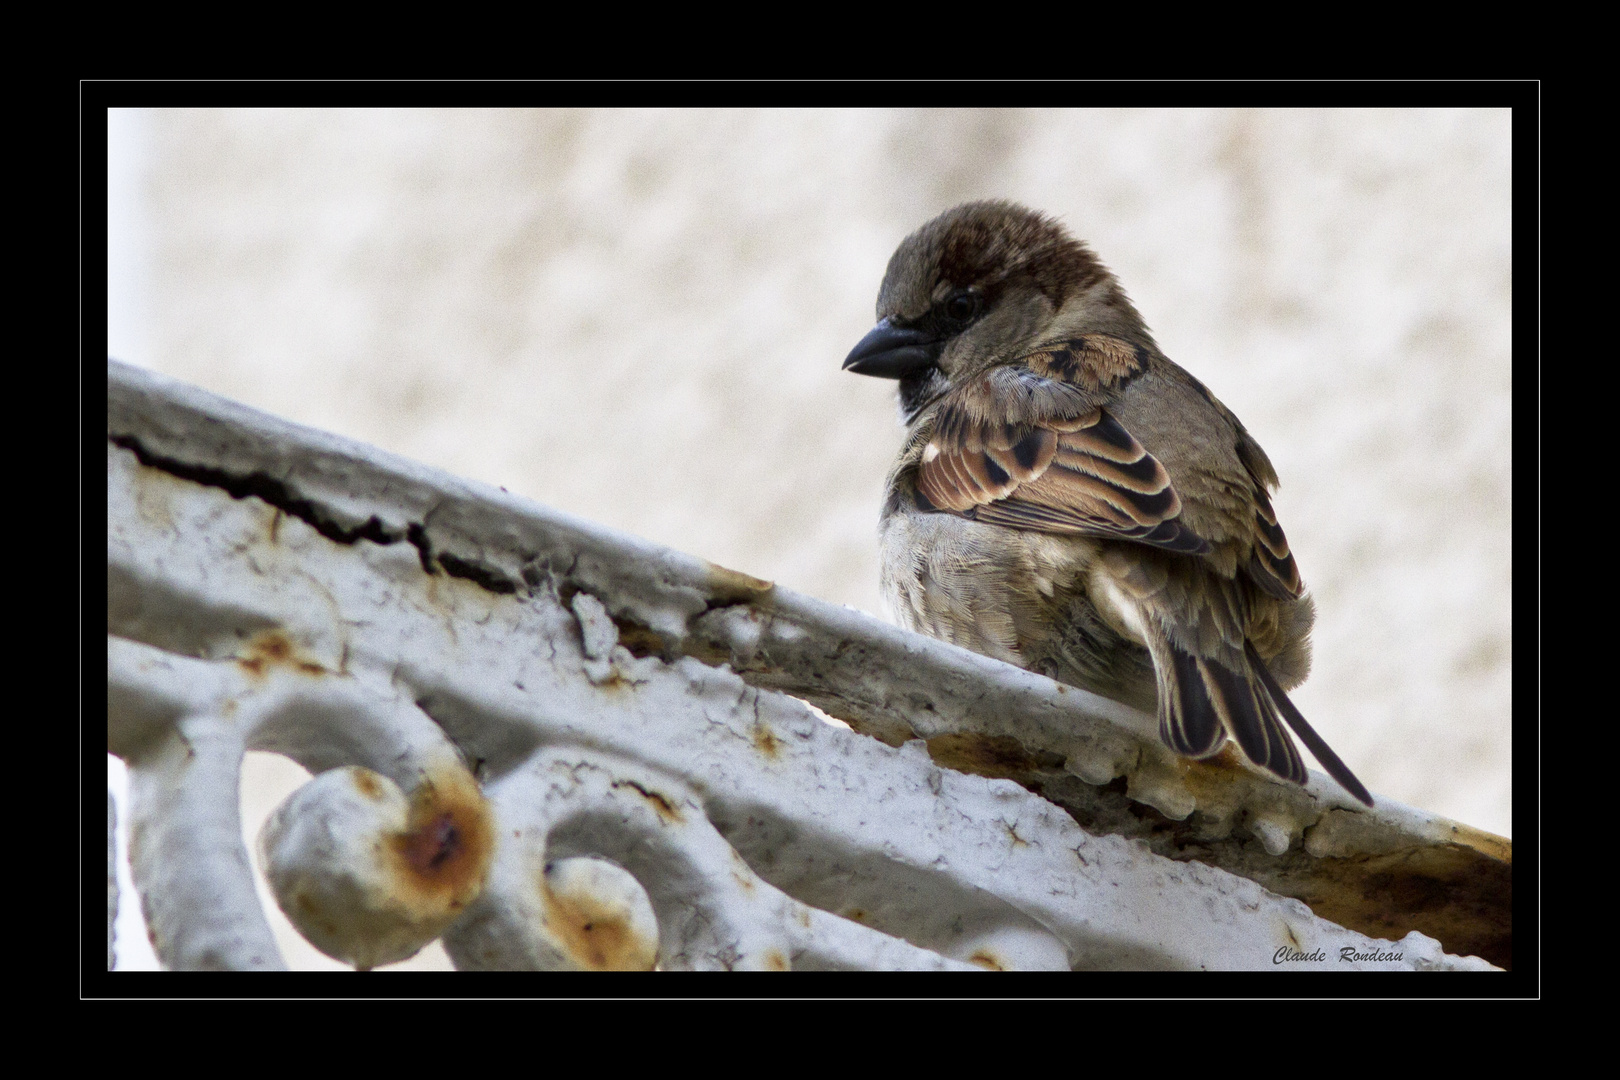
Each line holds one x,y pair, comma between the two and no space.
553,746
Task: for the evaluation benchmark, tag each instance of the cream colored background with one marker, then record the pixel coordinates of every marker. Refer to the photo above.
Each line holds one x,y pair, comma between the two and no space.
639,317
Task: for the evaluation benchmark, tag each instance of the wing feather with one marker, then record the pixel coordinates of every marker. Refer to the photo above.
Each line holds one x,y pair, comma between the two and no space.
1019,448
1271,564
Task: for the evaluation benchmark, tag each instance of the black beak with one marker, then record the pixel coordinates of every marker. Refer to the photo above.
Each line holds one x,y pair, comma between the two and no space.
893,352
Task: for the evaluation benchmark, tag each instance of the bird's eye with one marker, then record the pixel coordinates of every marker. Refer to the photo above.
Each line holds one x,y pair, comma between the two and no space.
962,307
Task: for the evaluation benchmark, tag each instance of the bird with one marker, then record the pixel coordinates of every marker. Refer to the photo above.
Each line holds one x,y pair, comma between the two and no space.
1069,500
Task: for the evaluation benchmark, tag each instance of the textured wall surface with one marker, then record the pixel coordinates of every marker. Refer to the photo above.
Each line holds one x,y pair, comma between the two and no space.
638,317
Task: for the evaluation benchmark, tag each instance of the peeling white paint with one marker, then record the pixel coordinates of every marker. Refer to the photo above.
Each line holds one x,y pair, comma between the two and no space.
761,836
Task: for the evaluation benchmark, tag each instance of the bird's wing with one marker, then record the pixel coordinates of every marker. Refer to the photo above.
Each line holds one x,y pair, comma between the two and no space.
1271,565
1028,446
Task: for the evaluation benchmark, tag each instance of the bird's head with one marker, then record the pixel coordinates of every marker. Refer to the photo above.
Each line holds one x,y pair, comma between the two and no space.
981,285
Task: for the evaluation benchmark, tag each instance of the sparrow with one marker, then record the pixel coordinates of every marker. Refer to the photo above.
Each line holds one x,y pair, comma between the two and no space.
1071,501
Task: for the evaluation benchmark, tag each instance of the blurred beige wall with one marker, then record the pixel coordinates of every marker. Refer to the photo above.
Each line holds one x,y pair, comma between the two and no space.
638,317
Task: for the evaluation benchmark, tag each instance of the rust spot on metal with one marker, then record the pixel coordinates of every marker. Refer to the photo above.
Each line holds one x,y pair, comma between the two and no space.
1451,892
728,587
1219,778
1000,756
640,639
1496,847
274,648
766,742
741,872
445,850
430,846
667,810
597,935
367,783
615,683
987,960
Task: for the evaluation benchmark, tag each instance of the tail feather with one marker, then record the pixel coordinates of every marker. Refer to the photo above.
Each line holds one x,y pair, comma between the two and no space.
1314,742
1252,719
1189,722
1201,700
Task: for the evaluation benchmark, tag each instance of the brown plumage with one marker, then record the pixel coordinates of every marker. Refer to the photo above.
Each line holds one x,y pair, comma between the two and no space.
1071,501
